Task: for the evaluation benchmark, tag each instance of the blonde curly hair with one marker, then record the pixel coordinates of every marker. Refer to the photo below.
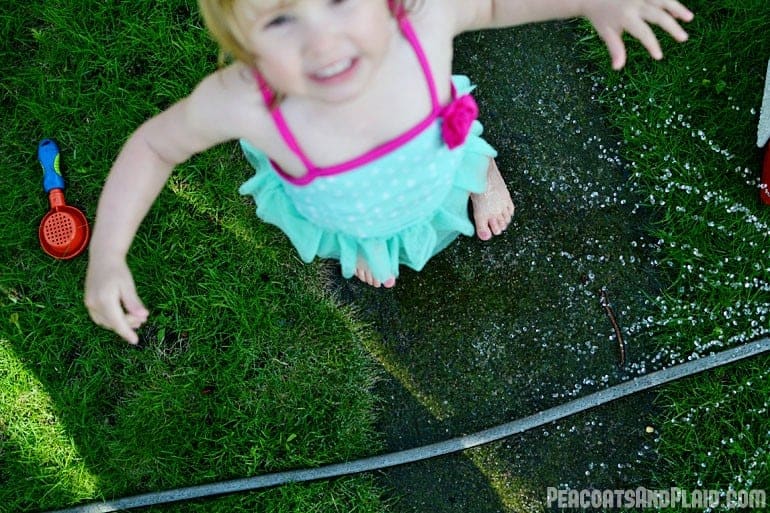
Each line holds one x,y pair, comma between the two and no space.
219,17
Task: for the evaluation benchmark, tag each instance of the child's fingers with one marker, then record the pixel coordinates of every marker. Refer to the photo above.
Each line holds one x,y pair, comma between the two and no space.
126,332
115,320
134,305
135,313
642,31
111,299
111,315
615,46
134,322
677,10
668,23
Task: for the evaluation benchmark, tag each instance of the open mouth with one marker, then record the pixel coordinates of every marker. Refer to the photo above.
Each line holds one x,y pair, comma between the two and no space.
336,71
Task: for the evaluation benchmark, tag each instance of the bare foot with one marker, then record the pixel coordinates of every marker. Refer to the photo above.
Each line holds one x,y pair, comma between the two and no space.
365,275
492,209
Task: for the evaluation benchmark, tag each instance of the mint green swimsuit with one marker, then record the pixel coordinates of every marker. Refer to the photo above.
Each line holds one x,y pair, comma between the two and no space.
400,203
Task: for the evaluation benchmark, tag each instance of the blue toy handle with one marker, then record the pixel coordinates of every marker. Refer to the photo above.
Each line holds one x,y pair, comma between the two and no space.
48,155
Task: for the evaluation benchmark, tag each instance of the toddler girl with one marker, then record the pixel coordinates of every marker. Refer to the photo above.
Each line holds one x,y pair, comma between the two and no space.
366,148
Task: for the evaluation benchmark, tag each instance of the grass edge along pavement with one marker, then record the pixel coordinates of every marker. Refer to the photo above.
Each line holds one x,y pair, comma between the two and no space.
689,125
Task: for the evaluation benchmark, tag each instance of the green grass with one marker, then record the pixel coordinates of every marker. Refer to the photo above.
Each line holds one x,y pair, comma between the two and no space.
245,366
690,123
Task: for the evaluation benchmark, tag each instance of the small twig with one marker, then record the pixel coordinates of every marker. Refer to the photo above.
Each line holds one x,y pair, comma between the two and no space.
605,303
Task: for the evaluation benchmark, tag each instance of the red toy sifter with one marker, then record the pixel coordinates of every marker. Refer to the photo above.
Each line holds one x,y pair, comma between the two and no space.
64,229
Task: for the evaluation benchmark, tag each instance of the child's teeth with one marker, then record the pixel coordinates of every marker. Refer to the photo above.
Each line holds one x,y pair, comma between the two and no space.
334,69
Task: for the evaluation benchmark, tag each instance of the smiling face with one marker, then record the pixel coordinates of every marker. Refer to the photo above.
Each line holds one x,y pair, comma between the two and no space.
325,50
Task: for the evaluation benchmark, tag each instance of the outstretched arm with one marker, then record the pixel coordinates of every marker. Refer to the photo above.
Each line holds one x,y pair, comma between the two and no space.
138,175
610,18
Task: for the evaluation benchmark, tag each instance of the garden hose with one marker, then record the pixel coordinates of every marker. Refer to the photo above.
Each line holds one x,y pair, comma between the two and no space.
624,389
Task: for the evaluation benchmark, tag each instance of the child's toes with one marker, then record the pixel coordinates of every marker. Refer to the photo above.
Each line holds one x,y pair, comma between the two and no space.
371,280
496,225
484,233
366,276
483,230
505,220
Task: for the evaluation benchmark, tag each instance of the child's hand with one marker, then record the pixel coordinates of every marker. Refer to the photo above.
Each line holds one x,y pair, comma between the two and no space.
613,17
111,298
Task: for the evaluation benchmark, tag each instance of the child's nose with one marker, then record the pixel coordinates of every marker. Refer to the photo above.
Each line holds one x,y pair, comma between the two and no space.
321,40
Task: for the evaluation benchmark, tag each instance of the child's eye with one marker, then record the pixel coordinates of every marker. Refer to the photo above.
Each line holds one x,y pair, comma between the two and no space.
278,21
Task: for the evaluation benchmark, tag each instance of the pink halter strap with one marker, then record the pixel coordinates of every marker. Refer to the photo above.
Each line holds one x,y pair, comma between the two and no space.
283,128
312,171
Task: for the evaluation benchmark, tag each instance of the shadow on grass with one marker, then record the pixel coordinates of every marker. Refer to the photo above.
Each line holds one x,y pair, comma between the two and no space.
223,385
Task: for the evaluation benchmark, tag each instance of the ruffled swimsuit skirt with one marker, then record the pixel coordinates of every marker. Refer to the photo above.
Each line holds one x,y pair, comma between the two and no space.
399,209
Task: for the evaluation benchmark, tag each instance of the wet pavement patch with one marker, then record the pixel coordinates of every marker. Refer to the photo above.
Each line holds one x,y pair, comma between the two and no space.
493,331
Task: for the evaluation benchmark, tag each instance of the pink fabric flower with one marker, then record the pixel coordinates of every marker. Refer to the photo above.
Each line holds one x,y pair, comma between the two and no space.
457,119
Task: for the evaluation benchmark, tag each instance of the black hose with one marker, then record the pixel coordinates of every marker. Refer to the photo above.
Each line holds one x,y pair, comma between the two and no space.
633,386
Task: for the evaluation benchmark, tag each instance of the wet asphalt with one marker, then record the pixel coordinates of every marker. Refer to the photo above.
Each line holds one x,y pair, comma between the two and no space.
493,331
